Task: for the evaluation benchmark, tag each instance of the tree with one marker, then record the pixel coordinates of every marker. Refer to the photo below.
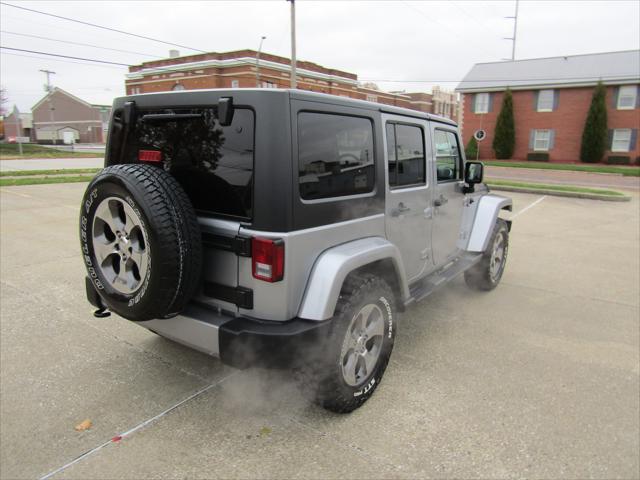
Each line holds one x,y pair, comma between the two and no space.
504,140
3,100
471,151
594,135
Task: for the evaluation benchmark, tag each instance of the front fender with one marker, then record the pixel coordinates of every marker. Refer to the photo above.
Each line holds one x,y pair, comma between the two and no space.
333,266
487,211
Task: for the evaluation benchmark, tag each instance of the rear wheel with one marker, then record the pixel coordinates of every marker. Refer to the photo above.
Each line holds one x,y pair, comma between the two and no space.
359,345
487,273
140,241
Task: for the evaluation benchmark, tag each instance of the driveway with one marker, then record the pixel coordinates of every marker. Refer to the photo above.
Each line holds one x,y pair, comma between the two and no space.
539,378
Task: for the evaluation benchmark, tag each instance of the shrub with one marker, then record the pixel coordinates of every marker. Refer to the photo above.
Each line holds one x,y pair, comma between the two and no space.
471,151
504,140
618,160
538,157
594,135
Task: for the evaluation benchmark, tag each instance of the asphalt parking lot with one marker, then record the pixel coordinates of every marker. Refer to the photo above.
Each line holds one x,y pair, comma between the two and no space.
539,378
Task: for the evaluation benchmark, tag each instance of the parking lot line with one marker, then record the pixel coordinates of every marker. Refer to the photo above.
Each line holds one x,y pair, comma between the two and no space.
529,206
132,430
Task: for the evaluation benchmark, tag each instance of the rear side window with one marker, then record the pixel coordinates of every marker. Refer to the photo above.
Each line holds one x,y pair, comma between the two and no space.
335,155
448,158
405,151
214,164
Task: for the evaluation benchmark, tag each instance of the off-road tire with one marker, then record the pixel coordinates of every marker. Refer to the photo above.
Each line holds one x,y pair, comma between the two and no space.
330,389
479,276
172,235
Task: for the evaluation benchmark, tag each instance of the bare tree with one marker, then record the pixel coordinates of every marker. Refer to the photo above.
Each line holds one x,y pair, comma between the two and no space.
3,99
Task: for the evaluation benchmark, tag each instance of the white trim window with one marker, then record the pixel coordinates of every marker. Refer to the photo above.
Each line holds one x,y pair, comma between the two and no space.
621,140
372,98
482,103
545,101
627,97
541,140
235,83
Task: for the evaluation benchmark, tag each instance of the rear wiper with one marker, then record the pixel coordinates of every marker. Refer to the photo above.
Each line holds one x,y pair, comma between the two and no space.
170,117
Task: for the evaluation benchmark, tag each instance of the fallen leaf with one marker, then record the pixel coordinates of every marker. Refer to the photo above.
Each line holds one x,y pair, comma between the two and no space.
265,431
85,425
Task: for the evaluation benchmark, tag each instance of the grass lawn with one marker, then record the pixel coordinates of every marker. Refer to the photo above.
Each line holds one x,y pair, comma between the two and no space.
33,173
626,171
556,188
12,182
9,151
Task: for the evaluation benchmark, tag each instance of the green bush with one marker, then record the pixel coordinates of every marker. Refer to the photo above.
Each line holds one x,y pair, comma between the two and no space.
538,157
471,151
594,135
618,160
504,140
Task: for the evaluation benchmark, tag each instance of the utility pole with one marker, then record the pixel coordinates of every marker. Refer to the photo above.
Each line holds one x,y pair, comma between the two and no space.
515,31
16,119
294,82
54,136
258,62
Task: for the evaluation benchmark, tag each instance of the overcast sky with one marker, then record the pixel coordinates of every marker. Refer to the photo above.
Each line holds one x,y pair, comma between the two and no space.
410,45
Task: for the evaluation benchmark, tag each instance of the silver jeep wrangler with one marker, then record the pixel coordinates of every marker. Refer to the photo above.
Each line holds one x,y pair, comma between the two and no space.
284,228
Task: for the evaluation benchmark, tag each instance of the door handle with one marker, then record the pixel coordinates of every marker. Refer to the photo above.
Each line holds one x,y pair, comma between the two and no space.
402,208
441,200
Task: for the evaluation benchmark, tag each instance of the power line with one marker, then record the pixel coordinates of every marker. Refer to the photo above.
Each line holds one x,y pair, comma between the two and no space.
78,43
58,60
64,56
102,27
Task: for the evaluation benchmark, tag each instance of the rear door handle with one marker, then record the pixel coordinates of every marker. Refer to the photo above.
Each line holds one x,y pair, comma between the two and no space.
402,208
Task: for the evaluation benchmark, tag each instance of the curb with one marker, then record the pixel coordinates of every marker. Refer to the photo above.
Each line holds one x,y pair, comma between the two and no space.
557,193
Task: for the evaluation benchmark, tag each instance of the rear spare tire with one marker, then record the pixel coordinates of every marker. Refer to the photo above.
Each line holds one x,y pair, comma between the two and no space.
140,241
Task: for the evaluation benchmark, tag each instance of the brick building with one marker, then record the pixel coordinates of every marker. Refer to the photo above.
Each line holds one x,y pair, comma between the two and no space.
243,69
551,98
59,112
18,124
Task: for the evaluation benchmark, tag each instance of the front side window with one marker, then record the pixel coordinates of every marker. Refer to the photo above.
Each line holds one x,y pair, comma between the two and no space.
482,103
448,157
627,97
542,140
335,155
545,101
405,151
621,140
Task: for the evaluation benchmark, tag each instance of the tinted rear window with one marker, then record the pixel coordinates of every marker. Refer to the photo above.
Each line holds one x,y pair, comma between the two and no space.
214,164
335,155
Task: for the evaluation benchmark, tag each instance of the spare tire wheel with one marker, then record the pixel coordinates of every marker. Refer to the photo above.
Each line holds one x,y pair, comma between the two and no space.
140,241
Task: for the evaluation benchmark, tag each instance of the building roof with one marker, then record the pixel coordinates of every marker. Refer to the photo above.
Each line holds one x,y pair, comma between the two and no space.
570,71
64,92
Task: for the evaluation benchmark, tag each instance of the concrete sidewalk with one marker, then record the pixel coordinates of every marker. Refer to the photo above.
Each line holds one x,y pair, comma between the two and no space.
50,163
562,177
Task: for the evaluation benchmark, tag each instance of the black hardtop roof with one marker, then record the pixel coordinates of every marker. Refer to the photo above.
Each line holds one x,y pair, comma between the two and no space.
312,96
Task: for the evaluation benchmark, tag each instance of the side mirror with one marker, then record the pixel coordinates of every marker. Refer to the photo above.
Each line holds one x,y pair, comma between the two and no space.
473,173
225,111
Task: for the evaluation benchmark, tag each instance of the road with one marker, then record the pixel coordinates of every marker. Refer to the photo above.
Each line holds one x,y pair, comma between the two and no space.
560,177
537,379
50,163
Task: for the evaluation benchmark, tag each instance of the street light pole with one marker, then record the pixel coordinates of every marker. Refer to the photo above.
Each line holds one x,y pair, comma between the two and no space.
294,82
258,62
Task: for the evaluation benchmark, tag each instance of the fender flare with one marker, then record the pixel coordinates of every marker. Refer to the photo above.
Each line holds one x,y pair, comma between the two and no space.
487,212
332,267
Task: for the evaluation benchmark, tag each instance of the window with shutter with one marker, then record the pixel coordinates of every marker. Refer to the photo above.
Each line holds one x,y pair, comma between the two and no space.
482,103
545,101
541,140
627,97
621,140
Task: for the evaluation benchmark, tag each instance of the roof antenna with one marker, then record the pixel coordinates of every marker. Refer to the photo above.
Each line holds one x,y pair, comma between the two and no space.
515,30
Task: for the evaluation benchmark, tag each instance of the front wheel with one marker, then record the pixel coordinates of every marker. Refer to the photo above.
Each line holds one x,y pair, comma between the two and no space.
359,344
486,274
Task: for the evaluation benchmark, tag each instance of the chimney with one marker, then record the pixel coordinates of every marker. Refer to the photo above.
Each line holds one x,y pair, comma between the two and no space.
174,53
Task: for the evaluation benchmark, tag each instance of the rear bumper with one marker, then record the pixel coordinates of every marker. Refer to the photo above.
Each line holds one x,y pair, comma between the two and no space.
242,342
238,341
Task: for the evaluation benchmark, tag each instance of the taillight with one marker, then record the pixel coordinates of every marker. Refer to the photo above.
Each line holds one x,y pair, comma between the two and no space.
268,259
153,156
